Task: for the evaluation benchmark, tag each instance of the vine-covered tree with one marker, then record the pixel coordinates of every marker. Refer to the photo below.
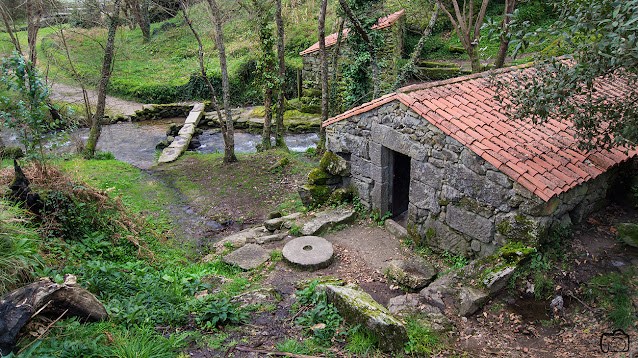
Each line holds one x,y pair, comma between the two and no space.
107,69
601,39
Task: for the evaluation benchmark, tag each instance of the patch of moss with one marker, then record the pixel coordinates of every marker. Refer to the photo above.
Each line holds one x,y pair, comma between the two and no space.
320,193
341,195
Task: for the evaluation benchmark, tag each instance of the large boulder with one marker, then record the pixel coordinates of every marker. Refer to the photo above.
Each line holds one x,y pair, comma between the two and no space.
327,220
358,307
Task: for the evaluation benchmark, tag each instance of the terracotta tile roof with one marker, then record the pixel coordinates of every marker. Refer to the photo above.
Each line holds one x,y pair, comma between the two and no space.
544,158
331,39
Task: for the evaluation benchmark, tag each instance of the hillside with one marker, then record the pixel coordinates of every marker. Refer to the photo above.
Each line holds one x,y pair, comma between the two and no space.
166,69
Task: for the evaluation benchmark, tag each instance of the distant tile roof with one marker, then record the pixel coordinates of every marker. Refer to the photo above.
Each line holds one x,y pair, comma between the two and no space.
543,158
331,39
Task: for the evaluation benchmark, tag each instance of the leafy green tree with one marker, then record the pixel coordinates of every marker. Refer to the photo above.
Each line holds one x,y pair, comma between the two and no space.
29,117
600,37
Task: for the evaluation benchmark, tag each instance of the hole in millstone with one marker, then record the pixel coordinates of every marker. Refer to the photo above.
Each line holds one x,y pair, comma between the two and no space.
307,248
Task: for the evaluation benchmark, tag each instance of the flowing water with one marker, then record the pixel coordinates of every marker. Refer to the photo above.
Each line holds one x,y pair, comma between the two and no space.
134,142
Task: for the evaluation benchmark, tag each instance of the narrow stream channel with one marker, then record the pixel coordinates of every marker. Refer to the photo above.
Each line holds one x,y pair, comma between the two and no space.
134,143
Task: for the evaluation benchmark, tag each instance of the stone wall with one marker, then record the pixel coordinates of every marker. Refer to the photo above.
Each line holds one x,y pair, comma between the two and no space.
458,202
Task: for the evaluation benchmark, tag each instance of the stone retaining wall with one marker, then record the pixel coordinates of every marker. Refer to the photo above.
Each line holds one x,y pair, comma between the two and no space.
458,202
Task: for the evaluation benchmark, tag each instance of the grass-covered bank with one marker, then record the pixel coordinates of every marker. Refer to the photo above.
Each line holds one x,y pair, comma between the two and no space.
107,222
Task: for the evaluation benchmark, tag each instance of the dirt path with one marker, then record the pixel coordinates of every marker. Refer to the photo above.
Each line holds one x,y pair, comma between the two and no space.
61,92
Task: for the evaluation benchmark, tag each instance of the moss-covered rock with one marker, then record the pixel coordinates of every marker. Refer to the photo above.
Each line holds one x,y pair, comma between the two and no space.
334,164
628,233
358,307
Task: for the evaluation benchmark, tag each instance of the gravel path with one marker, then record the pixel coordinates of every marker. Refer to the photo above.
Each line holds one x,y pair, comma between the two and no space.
61,92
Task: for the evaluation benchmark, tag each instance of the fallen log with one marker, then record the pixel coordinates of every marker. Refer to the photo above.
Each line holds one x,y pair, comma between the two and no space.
46,297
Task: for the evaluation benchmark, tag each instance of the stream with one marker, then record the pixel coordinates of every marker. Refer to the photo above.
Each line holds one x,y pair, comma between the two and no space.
134,142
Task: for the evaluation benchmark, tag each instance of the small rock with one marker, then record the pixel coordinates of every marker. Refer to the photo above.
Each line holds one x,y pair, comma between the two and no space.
395,229
495,281
557,303
358,307
273,215
269,238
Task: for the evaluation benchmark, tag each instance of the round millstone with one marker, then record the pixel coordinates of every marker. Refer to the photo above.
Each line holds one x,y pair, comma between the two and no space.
309,252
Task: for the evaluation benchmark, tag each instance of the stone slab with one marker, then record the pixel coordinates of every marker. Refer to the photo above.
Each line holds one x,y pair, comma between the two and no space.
181,142
247,257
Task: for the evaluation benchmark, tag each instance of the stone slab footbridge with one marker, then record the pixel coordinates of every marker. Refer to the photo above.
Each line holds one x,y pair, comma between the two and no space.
183,139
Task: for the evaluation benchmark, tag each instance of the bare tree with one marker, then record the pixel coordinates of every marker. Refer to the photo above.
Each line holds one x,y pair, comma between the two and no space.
510,5
467,27
279,127
34,16
139,9
323,60
332,102
364,34
107,69
227,127
408,67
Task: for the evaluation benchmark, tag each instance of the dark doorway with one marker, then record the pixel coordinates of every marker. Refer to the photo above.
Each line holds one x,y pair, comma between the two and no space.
400,183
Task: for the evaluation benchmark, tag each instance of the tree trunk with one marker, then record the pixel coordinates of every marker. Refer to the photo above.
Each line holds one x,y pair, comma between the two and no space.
145,24
408,67
279,128
510,5
323,60
265,135
7,24
468,35
200,56
34,15
227,127
332,102
107,68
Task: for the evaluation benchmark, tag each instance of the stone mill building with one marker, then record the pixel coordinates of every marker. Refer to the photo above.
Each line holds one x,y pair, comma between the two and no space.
446,154
392,28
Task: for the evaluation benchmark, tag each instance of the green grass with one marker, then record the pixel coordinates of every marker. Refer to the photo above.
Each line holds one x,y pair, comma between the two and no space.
613,292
